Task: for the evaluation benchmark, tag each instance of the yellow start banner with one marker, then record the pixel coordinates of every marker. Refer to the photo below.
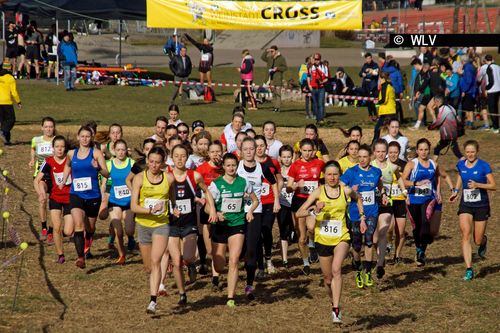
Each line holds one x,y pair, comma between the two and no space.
254,15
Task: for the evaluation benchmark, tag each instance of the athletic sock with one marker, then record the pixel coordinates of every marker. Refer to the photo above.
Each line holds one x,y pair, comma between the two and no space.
44,225
417,123
215,280
306,262
310,244
79,243
357,264
202,250
250,275
153,298
51,230
368,266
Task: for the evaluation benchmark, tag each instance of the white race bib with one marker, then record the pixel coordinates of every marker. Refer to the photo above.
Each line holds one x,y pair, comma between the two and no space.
330,228
150,203
231,205
122,192
286,196
393,191
368,198
265,189
184,206
45,149
58,176
472,195
82,184
423,190
309,187
205,57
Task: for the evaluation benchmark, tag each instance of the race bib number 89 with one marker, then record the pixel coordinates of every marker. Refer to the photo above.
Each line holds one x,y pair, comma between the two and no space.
150,203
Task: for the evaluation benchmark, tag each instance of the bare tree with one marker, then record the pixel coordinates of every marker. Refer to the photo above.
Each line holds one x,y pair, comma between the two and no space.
456,10
486,17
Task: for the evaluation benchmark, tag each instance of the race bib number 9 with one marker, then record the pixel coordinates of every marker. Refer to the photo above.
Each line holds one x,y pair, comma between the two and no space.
423,190
231,205
205,57
122,192
309,187
368,198
472,195
150,203
184,206
331,228
82,184
45,149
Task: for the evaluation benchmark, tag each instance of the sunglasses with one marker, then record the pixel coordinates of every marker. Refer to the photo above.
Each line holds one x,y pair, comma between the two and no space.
182,132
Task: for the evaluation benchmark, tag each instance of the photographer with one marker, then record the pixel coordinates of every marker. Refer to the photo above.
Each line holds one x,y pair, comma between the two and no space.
276,66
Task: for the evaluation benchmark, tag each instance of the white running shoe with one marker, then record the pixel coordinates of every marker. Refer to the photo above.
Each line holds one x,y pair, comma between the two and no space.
270,268
337,318
151,308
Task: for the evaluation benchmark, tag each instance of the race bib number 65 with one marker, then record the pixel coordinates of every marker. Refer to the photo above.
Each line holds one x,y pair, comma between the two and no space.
231,205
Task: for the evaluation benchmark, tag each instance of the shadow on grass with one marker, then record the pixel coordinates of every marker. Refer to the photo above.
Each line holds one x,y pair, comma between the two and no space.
485,271
375,321
111,264
405,279
447,260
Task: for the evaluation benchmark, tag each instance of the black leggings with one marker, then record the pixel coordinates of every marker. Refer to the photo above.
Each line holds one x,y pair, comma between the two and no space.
445,143
493,107
267,228
254,230
421,225
285,222
7,120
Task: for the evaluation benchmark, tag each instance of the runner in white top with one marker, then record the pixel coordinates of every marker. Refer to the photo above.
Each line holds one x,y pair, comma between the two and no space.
273,145
395,135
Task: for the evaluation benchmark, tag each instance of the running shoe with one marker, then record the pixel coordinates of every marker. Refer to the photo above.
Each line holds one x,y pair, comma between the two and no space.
285,264
469,274
313,255
420,258
61,259
481,251
398,260
368,279
50,239
162,291
80,263
230,303
306,270
151,309
203,270
270,268
359,279
260,274
43,234
131,244
89,255
380,272
192,273
336,316
495,130
183,299
249,290
388,249
484,128
120,260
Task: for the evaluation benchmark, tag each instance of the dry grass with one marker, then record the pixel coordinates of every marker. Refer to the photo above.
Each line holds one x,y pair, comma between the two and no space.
104,297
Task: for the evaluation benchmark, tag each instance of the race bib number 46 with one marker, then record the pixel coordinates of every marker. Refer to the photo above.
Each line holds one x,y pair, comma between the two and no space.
368,198
82,184
122,192
331,228
231,205
472,195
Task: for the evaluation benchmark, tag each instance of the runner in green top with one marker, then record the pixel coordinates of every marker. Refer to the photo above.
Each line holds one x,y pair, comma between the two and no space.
228,192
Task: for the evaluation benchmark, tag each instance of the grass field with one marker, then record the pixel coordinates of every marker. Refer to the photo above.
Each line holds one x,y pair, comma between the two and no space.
104,297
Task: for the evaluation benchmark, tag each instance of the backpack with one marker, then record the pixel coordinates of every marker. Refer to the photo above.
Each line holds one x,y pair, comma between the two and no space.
209,95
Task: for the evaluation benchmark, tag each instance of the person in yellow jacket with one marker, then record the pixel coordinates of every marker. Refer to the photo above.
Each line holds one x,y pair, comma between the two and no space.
386,104
329,204
8,91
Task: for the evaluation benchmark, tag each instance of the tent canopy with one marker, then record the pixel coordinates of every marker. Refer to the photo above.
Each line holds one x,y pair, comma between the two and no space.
74,9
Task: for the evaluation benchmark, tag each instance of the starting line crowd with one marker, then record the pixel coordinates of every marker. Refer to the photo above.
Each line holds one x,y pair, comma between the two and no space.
189,196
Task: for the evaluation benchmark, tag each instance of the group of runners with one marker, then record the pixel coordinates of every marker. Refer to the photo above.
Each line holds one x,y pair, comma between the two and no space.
189,196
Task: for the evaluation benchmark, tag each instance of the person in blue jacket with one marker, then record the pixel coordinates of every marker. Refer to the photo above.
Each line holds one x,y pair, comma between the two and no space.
68,56
468,88
172,46
392,67
452,90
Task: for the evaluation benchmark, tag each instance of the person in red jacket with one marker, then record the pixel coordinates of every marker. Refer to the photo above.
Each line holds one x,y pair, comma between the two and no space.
317,80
